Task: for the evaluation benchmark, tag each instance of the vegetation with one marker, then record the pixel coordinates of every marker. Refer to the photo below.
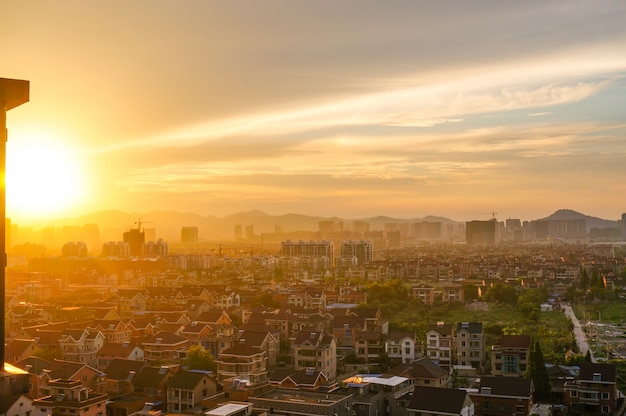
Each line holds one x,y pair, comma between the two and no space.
198,358
538,373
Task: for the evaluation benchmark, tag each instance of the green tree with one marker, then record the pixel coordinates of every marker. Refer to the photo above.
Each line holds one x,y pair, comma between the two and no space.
198,358
538,373
500,293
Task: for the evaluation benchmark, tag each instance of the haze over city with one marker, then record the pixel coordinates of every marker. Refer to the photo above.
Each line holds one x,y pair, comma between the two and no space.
354,109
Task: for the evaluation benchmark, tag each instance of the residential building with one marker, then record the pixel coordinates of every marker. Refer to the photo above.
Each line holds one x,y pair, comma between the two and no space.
469,341
509,355
81,345
151,382
440,402
301,402
503,396
305,378
70,396
315,350
242,371
595,392
400,346
164,346
423,372
481,233
186,389
439,343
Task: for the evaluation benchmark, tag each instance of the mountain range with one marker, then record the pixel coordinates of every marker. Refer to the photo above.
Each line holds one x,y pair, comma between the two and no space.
211,228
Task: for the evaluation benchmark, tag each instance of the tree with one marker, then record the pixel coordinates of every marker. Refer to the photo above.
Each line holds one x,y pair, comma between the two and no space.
501,293
538,373
198,358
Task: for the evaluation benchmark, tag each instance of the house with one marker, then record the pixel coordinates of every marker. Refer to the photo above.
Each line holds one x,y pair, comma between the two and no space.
442,402
375,394
302,402
595,392
509,355
186,389
16,404
503,396
439,342
559,375
151,382
20,349
41,372
316,350
111,351
242,370
369,345
400,346
423,372
65,394
263,340
81,345
305,378
164,346
469,341
119,375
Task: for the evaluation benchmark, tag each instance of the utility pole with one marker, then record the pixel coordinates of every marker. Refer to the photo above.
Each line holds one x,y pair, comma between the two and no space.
13,92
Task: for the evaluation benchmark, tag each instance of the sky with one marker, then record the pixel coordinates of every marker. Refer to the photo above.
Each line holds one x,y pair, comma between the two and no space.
332,108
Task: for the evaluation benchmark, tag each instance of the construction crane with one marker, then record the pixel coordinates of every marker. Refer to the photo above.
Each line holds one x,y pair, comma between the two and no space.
493,214
141,222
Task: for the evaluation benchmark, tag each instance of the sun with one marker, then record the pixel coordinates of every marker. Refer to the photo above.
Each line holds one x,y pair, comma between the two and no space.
43,179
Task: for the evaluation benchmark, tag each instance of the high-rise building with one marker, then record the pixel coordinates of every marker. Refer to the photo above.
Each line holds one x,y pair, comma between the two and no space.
481,233
189,235
623,226
362,250
238,232
308,249
135,239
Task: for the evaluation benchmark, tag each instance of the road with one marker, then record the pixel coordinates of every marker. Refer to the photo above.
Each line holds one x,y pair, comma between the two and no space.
581,340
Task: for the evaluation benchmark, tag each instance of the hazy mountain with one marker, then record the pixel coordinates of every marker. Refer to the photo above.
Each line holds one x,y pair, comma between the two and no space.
590,222
113,224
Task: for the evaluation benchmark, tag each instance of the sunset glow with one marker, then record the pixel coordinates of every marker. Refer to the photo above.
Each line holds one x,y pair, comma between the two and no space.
302,107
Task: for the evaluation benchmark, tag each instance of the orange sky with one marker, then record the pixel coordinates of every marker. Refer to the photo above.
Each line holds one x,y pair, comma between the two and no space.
351,108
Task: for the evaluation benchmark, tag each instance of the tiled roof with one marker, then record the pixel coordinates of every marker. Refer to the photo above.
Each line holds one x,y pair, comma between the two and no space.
120,369
607,372
437,400
507,386
515,341
187,380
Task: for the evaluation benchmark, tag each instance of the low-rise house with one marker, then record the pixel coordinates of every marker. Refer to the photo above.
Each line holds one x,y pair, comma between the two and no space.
41,372
151,382
20,349
263,340
81,345
503,396
470,344
65,394
423,372
164,346
400,346
305,378
559,375
316,350
112,351
509,355
16,404
242,371
439,343
595,392
286,401
119,375
440,402
186,389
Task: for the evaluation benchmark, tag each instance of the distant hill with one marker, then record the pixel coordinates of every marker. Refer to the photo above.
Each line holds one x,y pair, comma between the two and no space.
113,224
168,224
590,222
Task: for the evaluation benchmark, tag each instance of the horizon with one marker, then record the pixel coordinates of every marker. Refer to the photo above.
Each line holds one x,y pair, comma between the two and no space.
143,215
298,106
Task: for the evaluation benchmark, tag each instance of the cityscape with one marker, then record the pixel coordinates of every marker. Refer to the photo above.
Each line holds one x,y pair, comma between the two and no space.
305,208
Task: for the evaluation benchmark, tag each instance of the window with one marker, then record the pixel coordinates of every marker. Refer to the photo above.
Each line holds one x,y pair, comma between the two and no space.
573,393
605,395
605,409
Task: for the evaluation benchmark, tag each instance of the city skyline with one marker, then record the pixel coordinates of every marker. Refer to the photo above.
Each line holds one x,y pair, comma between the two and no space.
354,109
